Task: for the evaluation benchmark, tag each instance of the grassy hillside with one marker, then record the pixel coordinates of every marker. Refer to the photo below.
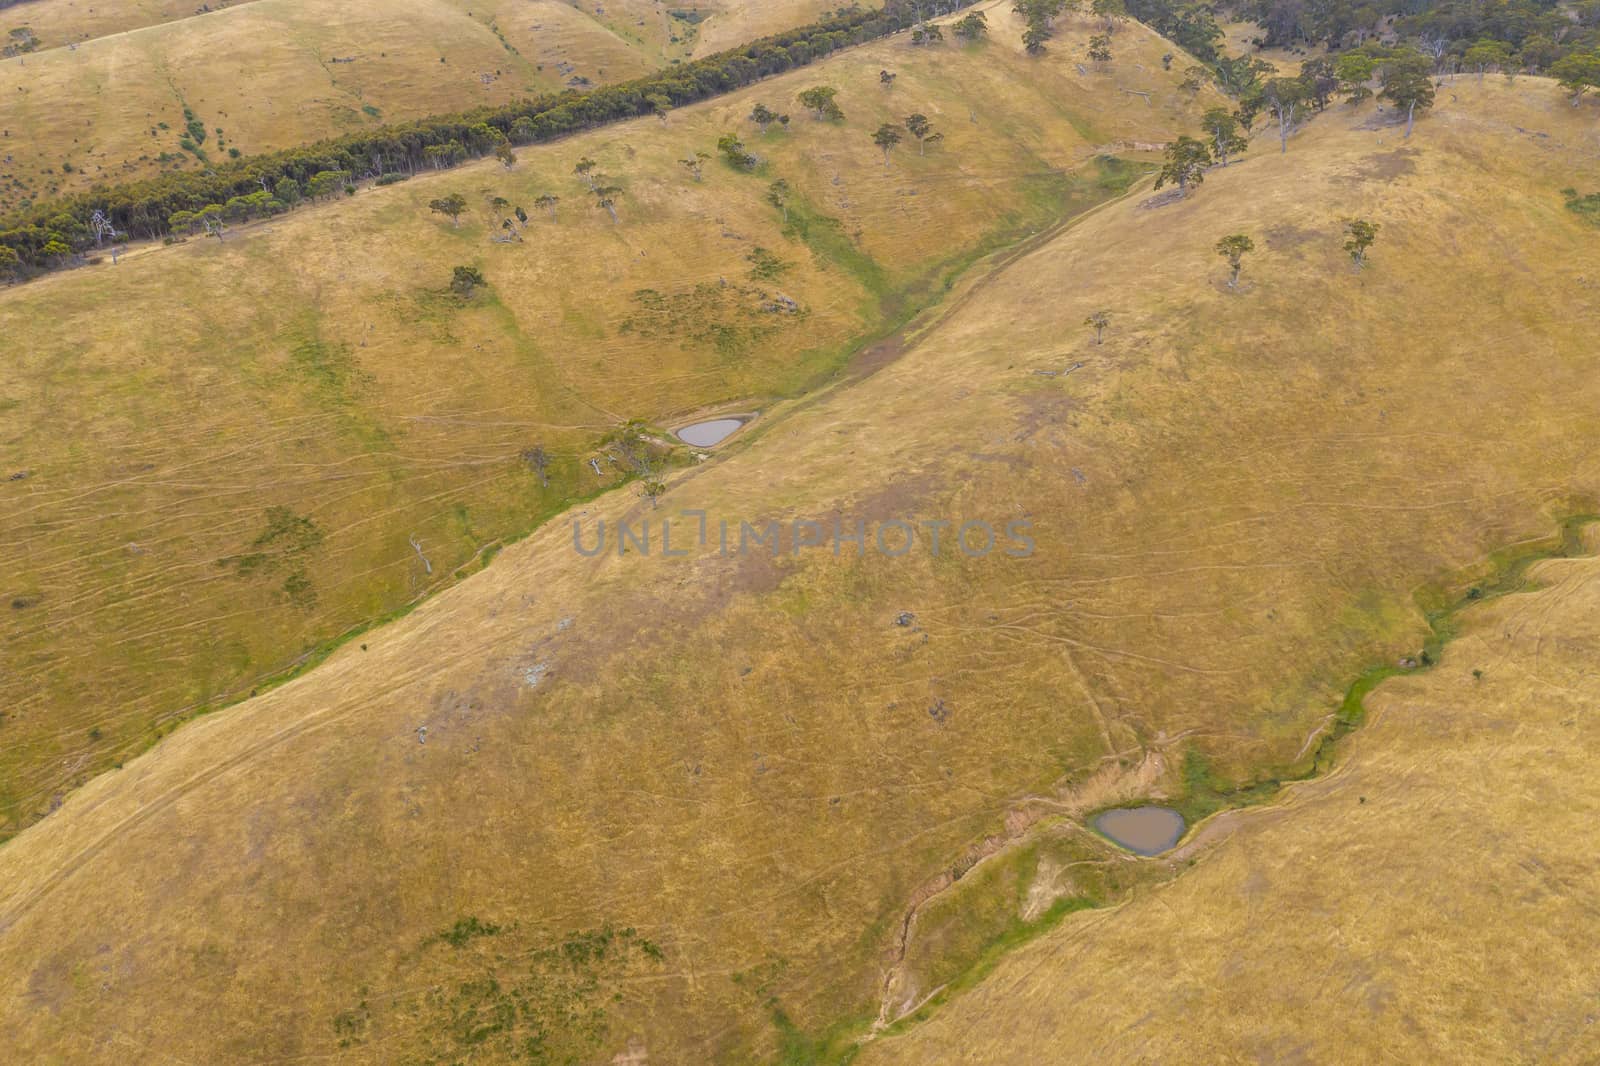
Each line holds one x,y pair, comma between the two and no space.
741,807
230,447
57,23
1430,901
275,73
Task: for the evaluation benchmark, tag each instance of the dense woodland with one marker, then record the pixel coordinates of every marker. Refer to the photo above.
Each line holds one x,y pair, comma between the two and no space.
1534,33
1372,36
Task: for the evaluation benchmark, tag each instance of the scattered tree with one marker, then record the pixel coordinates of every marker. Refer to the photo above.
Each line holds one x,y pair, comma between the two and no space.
585,169
1285,97
465,280
1577,74
819,100
1098,322
974,27
1100,49
920,128
451,206
1186,164
886,78
1359,235
1408,84
1223,126
926,34
1233,248
548,203
886,138
605,198
507,157
763,116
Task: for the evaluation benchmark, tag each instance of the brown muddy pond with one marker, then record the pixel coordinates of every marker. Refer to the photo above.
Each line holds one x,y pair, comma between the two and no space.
707,434
1142,830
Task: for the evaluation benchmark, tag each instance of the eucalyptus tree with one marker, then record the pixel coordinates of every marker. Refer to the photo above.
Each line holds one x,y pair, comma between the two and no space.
1186,164
886,138
1233,248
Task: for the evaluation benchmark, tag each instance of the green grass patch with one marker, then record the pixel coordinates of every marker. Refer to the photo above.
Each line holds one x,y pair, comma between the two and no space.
1585,207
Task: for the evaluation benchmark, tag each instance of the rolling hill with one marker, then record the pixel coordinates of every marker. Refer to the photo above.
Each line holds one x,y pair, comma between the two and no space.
267,74
218,487
761,805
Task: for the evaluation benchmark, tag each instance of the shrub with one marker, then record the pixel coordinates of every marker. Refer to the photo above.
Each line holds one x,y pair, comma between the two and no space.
465,279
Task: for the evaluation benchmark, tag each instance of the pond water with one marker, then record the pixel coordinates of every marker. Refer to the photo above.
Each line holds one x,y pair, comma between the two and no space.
706,434
1142,830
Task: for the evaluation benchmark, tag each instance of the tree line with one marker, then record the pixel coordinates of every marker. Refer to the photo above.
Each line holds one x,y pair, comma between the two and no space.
57,234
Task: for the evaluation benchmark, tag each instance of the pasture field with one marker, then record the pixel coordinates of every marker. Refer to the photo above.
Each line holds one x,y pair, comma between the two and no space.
229,448
763,806
269,74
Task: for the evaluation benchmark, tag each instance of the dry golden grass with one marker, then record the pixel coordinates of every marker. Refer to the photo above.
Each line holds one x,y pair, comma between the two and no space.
1432,900
729,23
164,406
747,760
1239,39
276,73
56,23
